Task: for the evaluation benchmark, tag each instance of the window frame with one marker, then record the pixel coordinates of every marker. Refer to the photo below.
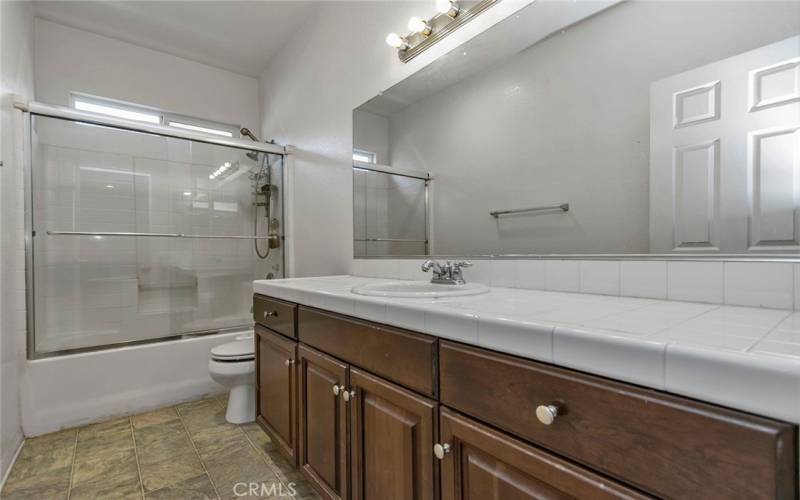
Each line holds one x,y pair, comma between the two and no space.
165,118
367,154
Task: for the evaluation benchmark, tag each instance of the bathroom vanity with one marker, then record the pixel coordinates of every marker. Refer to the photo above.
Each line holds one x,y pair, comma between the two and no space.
370,410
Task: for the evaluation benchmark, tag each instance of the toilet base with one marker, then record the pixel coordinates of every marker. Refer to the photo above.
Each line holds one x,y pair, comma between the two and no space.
241,404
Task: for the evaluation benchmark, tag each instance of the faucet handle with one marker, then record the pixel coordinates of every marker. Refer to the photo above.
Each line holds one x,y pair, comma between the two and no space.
427,265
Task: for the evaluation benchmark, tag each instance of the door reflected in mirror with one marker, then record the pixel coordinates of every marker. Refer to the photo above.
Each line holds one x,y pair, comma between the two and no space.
639,127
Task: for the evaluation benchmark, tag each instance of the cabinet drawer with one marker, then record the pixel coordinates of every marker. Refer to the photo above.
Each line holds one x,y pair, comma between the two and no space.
275,314
404,357
483,464
663,444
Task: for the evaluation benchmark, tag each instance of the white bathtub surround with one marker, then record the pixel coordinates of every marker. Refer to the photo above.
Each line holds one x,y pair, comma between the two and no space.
73,390
744,357
756,284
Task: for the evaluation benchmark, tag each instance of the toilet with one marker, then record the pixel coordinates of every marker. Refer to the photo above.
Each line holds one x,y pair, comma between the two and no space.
233,366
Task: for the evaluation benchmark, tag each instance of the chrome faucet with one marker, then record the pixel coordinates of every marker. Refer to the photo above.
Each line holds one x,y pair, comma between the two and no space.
447,274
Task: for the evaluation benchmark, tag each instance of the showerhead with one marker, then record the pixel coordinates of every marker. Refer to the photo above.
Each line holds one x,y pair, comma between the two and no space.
246,131
253,155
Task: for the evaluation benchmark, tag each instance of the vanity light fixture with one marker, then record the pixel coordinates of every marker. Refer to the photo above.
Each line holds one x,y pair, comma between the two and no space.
423,34
417,25
396,41
447,7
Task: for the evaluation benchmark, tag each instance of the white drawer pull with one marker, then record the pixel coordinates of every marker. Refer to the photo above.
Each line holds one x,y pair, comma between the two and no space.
547,413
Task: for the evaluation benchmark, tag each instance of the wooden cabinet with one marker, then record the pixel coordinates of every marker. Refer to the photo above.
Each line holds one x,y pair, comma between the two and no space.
392,437
663,444
322,451
359,413
484,464
277,315
404,357
276,389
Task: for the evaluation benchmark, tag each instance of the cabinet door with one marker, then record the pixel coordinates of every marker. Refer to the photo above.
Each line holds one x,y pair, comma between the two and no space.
392,436
322,453
277,389
484,464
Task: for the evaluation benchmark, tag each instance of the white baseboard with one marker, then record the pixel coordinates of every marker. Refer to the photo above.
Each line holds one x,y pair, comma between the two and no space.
10,466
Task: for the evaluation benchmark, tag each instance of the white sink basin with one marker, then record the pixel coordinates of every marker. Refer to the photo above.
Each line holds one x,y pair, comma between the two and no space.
419,289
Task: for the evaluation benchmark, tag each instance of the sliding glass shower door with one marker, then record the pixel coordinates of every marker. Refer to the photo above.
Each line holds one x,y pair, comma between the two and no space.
138,236
390,214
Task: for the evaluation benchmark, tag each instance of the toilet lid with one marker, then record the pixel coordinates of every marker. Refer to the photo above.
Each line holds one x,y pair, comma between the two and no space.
234,351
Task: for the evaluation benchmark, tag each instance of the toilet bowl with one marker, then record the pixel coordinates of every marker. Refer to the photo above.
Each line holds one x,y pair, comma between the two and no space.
233,365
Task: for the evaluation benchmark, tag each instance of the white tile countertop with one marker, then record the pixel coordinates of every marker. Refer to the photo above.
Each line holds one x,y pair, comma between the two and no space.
743,357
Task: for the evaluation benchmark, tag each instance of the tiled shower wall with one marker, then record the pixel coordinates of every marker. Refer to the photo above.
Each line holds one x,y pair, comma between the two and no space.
757,284
96,290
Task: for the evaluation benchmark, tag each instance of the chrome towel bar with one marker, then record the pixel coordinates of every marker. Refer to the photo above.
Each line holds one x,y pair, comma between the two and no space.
157,235
563,207
402,240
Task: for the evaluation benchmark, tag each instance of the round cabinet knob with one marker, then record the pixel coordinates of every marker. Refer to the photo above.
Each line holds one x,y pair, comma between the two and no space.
270,314
347,395
336,390
289,362
547,413
440,450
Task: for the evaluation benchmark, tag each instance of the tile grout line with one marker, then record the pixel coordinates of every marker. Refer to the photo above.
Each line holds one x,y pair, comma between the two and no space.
136,456
278,473
271,466
197,452
72,465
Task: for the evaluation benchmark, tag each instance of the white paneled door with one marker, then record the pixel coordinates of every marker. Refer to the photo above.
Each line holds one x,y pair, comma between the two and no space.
725,155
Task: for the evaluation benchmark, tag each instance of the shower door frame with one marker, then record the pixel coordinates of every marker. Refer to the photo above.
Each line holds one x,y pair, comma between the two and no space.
399,172
68,114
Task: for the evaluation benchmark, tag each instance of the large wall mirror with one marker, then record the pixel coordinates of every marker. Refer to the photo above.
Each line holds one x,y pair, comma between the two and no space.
588,127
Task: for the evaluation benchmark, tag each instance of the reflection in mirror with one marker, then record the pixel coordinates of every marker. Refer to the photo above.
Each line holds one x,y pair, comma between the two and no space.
666,127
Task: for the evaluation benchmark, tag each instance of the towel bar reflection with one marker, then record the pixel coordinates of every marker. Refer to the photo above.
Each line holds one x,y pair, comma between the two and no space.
399,240
563,207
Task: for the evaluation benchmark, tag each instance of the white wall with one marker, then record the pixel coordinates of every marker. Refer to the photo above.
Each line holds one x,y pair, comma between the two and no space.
567,120
371,133
71,60
16,77
333,64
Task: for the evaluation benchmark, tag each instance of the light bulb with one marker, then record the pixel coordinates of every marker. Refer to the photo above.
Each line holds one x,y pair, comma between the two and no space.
396,41
448,7
417,25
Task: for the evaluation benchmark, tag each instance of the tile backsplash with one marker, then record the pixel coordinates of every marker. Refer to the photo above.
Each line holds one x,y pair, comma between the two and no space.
773,285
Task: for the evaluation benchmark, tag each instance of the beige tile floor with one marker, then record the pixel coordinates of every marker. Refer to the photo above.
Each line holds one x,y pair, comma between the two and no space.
187,451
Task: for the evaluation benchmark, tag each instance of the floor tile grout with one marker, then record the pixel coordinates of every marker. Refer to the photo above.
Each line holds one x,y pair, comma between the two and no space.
197,452
269,466
72,465
136,456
